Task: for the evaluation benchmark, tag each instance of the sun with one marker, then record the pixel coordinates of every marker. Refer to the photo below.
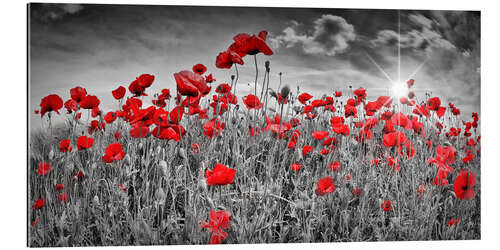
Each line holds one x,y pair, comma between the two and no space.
399,89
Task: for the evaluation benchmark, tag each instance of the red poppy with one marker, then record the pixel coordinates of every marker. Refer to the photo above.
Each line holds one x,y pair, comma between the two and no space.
374,162
386,206
252,102
411,94
453,221
213,128
199,69
464,183
221,175
119,93
360,93
39,204
399,119
306,150
145,80
195,148
403,100
43,168
63,198
176,114
410,83
84,142
469,157
350,111
65,145
219,220
325,185
70,105
356,191
441,177
89,102
78,93
329,141
117,135
191,84
320,135
434,103
209,78
140,131
60,186
348,177
79,175
226,59
440,111
393,163
296,166
338,93
324,151
113,152
394,139
136,89
335,166
245,44
51,103
304,97
421,189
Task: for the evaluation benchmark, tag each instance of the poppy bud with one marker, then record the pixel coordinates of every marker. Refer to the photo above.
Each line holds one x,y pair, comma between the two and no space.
182,153
94,165
160,196
96,200
140,145
267,66
285,91
163,168
51,154
126,159
158,150
232,77
70,167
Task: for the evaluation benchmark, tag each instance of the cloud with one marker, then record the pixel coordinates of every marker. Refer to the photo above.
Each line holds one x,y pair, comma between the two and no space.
50,11
422,38
331,36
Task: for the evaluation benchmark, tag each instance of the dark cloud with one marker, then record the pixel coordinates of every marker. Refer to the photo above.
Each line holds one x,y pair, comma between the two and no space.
331,35
49,11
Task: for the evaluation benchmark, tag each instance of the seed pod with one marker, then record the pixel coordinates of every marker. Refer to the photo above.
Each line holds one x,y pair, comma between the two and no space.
285,91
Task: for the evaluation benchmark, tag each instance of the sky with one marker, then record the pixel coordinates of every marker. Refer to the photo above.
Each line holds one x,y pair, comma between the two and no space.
101,47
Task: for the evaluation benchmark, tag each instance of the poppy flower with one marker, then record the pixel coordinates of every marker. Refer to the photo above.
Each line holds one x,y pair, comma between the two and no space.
320,135
60,186
304,97
386,206
65,145
350,111
219,221
410,83
191,84
356,191
324,151
245,44
403,100
199,69
89,102
84,142
209,78
335,166
360,93
70,105
226,59
306,150
195,148
39,204
411,94
329,141
139,131
393,163
453,221
110,117
176,114
113,152
393,139
78,93
221,175
441,177
136,89
348,177
43,168
399,119
296,166
434,103
145,80
119,93
63,198
421,189
79,175
463,186
338,93
213,128
252,102
374,162
469,157
324,186
117,135
223,88
51,103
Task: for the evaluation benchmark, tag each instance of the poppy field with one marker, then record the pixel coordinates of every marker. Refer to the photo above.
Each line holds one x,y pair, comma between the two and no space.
207,165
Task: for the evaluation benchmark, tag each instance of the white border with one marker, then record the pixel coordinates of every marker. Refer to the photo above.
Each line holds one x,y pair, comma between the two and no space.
13,121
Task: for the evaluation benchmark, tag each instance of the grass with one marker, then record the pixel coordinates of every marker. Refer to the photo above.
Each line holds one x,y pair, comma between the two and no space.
167,197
